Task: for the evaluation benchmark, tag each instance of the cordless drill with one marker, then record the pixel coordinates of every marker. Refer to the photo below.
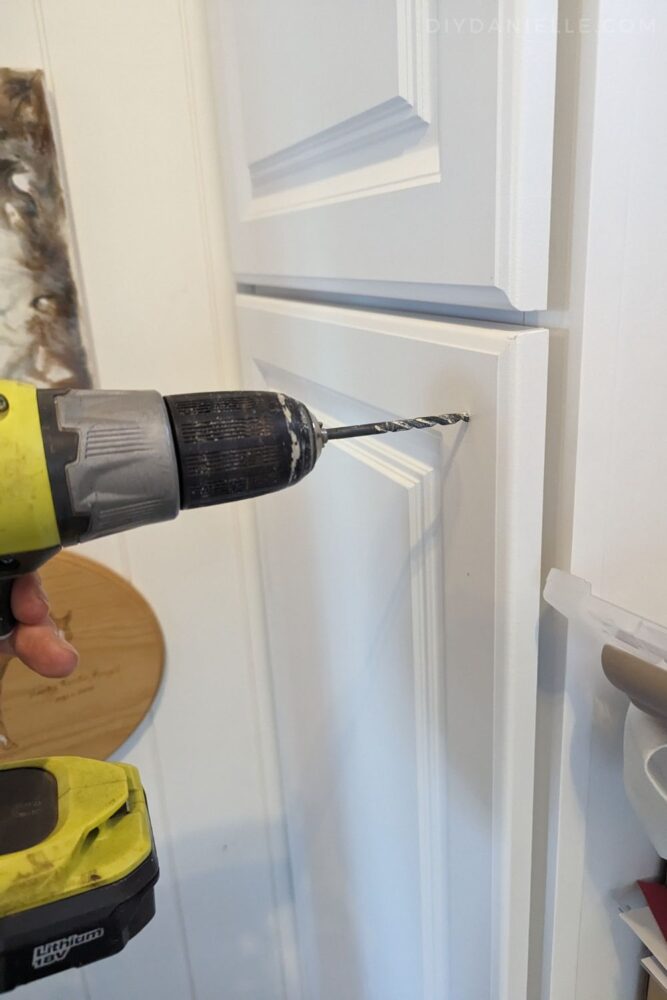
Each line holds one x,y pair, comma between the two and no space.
78,863
79,464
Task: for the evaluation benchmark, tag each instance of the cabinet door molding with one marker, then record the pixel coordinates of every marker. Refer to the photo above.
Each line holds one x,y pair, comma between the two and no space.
395,149
401,585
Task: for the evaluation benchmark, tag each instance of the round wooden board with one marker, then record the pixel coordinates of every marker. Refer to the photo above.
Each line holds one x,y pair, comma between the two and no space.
92,712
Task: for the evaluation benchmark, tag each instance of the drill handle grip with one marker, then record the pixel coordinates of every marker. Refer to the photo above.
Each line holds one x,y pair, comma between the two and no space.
7,619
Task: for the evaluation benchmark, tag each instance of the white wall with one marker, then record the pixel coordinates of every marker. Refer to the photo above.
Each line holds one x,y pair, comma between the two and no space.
131,89
605,515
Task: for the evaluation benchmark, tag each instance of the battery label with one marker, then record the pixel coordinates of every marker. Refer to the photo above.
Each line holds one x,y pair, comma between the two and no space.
57,951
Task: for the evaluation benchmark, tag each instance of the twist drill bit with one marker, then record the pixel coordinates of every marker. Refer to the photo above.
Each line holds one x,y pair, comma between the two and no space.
391,426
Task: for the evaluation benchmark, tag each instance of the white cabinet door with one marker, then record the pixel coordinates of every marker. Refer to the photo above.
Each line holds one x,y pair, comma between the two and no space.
390,147
401,583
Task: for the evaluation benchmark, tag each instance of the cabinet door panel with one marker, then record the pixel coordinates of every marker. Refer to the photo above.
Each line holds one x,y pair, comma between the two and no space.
401,583
398,148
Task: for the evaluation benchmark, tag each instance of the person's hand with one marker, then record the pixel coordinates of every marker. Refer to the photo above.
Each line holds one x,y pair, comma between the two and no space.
36,639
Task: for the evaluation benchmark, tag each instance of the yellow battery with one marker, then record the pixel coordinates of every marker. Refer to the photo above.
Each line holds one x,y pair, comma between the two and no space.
77,864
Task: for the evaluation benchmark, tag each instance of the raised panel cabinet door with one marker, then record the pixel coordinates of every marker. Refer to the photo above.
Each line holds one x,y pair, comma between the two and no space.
401,590
392,147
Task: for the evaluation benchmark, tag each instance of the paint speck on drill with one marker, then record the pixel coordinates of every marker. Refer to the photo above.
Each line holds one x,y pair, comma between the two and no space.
296,446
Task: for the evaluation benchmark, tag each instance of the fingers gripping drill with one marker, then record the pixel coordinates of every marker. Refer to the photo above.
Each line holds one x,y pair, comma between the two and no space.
79,464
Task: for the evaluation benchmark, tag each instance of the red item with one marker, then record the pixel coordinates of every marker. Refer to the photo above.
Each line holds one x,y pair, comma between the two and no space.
655,894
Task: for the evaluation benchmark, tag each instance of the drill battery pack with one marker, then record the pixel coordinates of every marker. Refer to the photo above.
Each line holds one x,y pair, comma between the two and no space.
77,864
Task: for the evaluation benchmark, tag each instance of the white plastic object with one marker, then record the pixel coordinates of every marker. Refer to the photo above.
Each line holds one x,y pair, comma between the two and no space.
645,738
573,597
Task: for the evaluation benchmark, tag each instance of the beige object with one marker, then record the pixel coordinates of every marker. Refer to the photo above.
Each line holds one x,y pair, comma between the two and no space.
645,683
655,990
92,712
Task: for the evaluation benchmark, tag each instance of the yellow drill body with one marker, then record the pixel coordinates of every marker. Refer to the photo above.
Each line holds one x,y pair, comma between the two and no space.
27,514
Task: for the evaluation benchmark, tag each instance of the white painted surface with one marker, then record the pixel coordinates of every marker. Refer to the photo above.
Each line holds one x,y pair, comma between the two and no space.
401,592
621,531
130,86
613,307
402,145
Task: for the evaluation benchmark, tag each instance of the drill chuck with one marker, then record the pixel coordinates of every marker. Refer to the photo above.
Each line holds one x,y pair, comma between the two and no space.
235,445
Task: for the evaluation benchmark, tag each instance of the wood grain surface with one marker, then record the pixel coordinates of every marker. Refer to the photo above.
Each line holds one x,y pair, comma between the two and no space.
121,647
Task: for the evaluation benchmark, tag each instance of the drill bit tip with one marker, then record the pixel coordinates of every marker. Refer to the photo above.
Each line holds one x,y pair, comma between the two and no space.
392,426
